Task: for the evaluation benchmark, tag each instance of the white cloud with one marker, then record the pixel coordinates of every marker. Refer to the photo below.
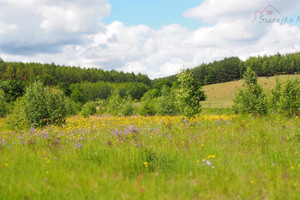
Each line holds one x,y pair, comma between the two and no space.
71,33
38,26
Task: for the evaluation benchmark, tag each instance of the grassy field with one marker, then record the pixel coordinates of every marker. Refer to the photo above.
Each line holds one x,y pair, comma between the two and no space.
208,157
221,95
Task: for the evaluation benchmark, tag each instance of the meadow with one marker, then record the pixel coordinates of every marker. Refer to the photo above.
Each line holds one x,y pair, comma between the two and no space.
101,157
221,95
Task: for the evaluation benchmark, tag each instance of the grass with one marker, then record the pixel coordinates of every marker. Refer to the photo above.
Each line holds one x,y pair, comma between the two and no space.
208,157
221,95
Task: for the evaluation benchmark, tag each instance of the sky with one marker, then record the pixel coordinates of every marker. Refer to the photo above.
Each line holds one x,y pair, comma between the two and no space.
157,37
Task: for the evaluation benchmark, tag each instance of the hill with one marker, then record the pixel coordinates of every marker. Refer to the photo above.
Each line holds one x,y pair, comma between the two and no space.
221,95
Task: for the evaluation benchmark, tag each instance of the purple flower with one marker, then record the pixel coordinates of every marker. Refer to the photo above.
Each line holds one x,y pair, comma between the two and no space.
208,163
78,145
131,128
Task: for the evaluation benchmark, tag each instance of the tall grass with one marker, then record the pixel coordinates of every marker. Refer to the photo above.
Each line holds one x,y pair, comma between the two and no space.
208,157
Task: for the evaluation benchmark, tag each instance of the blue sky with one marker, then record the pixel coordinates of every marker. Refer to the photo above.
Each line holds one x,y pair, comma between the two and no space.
157,38
153,13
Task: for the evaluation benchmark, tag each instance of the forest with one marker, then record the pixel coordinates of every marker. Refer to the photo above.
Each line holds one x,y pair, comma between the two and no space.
82,85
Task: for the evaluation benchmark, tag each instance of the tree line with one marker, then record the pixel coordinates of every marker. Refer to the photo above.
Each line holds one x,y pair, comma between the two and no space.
233,68
51,74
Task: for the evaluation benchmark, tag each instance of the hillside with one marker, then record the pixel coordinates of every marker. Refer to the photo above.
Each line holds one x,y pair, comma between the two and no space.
222,94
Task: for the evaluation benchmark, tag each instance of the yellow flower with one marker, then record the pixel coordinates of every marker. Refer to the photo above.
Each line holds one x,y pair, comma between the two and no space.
292,167
146,164
47,172
5,165
211,156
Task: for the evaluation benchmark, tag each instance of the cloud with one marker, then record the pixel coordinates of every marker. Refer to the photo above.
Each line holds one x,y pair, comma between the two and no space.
71,33
34,26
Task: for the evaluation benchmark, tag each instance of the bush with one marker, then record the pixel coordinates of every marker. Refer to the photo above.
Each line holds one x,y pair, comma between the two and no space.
72,107
290,97
128,108
251,98
40,106
166,102
189,94
102,107
3,104
56,106
115,103
148,108
285,98
89,109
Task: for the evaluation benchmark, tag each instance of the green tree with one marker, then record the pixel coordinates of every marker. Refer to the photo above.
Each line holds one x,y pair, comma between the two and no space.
40,106
115,102
3,104
189,94
89,109
251,98
290,97
166,102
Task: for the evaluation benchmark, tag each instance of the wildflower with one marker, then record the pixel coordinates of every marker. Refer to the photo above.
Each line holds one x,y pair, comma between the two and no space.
198,161
5,165
146,164
47,172
292,167
208,163
211,156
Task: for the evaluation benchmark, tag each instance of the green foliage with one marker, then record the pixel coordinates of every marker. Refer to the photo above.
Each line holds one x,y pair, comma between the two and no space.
148,107
115,103
51,74
250,99
275,95
166,102
3,104
102,106
189,94
56,106
12,89
89,109
18,118
128,109
35,104
77,94
73,107
285,98
40,106
290,97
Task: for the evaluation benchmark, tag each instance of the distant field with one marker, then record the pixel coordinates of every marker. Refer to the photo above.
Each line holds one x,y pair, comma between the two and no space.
221,95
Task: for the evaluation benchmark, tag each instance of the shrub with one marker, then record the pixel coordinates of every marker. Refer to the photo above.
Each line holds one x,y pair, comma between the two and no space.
290,97
128,108
251,98
73,107
89,109
189,94
102,107
40,106
275,95
115,103
3,104
56,106
148,108
166,102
